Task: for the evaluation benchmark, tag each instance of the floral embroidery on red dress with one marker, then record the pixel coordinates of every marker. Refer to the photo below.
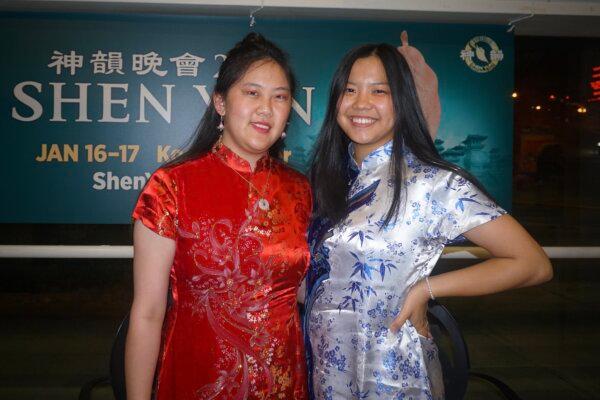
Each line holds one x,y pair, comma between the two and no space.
233,323
230,298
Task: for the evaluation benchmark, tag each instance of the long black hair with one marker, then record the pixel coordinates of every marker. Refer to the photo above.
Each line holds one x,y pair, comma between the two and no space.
252,48
329,169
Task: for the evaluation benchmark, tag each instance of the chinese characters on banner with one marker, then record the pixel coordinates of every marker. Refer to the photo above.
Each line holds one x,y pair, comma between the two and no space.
97,114
112,62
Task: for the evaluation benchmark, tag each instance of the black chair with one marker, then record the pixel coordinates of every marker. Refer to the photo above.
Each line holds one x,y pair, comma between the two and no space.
116,377
454,356
453,352
500,386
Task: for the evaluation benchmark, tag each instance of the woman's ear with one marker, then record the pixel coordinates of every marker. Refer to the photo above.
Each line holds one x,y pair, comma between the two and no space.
219,103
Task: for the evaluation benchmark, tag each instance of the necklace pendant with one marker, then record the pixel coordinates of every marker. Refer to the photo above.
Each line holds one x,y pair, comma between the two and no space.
263,204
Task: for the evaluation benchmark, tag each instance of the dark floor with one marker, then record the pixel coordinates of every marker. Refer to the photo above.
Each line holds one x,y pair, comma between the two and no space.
541,341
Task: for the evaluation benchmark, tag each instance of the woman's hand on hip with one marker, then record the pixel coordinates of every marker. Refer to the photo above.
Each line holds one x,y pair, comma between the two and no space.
414,310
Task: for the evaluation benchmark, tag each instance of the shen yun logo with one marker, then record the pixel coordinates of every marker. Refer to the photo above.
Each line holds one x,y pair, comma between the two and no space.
481,54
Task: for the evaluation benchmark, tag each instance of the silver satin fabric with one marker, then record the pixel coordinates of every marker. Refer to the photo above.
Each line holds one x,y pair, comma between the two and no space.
352,354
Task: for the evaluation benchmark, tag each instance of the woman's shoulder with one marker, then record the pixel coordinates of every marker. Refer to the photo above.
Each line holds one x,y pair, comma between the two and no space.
429,174
438,183
453,188
182,168
295,184
424,174
290,174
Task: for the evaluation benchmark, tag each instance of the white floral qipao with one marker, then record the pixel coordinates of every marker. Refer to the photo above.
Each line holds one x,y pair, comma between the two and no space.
360,274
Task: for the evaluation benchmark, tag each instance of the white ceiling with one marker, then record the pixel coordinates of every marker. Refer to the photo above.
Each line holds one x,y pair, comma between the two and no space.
550,17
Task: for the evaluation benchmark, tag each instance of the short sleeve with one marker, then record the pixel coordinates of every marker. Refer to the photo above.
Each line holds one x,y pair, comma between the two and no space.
461,206
156,206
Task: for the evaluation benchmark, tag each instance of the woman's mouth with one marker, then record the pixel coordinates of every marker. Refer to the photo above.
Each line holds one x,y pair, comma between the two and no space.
261,127
362,122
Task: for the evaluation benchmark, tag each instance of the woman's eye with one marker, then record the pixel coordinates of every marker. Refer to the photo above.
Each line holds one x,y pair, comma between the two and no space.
380,91
349,90
282,97
251,92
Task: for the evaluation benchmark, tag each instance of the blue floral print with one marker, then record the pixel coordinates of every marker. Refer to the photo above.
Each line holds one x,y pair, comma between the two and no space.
361,271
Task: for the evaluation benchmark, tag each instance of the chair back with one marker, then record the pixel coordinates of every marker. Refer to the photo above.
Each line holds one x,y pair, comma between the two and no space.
453,352
117,361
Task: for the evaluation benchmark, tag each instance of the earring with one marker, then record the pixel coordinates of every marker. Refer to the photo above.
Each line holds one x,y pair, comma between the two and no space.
283,134
220,127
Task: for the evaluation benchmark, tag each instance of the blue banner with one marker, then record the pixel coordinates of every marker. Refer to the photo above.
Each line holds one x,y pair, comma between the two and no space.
93,104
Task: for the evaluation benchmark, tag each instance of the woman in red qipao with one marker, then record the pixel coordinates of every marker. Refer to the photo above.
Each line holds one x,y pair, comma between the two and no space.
220,249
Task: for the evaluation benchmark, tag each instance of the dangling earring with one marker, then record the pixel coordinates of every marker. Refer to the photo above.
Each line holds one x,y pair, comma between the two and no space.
219,141
283,135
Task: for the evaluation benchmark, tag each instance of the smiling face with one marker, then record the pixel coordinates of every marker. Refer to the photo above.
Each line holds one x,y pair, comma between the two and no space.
255,110
366,110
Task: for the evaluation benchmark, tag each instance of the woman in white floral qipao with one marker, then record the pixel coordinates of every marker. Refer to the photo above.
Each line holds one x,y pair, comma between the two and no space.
385,206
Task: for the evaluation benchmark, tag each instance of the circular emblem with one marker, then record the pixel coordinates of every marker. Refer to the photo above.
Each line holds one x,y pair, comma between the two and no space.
263,204
481,54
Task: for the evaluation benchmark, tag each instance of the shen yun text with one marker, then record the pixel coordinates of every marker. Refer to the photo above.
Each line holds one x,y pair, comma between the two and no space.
110,103
109,181
114,95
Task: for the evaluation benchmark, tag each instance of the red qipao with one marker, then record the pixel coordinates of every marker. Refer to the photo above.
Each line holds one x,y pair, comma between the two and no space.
231,329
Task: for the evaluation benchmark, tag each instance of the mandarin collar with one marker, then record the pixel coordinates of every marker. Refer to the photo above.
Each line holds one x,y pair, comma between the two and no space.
234,161
380,155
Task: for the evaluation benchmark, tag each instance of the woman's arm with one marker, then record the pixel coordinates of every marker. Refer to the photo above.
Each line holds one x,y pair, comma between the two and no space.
516,261
153,257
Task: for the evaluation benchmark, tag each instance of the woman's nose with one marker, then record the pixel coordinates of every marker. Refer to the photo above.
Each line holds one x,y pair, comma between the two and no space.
362,100
264,108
